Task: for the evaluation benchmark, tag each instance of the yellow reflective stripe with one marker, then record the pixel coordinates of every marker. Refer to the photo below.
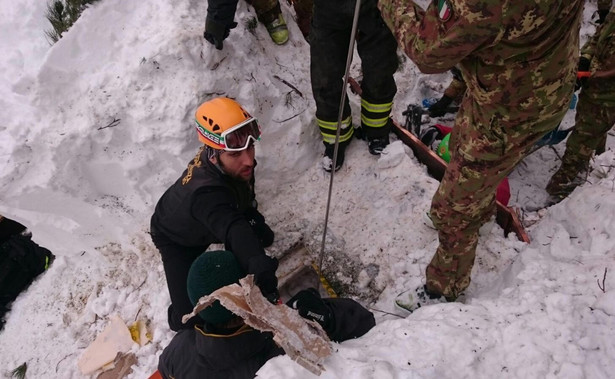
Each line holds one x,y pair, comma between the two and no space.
329,138
332,125
376,108
243,329
374,122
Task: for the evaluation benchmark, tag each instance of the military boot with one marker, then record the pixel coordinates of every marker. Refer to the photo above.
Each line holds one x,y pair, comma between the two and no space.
563,182
278,30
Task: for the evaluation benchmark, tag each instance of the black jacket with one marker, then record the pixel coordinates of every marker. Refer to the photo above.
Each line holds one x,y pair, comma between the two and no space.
204,206
193,353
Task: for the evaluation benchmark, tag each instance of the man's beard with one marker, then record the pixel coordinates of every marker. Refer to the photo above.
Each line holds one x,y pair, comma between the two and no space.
235,177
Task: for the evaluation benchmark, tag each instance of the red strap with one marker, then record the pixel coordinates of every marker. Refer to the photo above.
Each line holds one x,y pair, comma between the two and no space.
583,74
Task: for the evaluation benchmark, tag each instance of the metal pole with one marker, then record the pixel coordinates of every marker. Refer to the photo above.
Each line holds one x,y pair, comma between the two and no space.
339,125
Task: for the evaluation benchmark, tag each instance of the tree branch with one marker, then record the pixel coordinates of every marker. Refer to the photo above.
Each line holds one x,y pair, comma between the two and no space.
603,280
288,84
115,122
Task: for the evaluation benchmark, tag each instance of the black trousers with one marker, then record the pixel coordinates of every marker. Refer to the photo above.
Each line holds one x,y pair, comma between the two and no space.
329,41
176,260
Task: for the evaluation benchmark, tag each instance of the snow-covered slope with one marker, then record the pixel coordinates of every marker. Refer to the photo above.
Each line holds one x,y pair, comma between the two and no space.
96,127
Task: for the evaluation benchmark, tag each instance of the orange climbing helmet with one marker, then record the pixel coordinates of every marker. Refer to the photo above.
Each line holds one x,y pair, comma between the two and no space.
223,124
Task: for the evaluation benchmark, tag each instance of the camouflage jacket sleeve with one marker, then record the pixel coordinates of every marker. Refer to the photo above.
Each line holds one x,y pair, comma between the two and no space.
448,31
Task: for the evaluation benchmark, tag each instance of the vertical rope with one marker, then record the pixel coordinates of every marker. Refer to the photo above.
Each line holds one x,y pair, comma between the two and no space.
339,126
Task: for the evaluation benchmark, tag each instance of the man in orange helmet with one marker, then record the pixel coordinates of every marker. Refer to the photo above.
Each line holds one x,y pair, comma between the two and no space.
213,202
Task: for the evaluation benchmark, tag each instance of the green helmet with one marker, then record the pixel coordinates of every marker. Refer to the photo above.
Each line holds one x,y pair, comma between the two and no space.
443,151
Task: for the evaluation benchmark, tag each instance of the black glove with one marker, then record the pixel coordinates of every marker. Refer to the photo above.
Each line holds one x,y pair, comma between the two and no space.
309,305
439,107
430,135
456,73
263,267
260,227
216,32
602,15
584,64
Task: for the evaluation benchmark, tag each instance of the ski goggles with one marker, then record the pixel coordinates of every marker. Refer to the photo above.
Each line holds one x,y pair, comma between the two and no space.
236,138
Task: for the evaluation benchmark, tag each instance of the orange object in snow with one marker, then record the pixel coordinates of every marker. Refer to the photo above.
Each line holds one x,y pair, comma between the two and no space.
583,74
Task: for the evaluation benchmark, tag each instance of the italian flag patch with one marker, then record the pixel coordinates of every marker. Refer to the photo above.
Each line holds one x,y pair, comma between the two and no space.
444,10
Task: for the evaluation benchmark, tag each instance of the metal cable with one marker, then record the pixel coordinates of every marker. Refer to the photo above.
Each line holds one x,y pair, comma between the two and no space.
339,126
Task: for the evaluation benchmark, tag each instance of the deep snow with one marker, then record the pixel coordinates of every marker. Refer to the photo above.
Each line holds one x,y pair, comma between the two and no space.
97,126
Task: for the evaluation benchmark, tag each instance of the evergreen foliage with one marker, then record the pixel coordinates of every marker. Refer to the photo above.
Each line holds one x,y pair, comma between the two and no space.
62,14
20,372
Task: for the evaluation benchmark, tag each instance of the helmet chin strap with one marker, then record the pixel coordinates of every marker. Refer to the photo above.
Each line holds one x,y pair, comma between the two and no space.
218,163
215,153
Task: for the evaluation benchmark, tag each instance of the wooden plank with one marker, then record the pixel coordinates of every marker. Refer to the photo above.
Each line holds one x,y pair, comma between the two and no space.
506,217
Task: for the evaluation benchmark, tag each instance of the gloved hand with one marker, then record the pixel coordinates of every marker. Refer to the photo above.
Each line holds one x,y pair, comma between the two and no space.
260,227
439,107
602,15
584,64
216,32
263,268
456,73
309,305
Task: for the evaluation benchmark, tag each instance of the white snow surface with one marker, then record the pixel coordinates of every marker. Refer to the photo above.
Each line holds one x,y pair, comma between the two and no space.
97,126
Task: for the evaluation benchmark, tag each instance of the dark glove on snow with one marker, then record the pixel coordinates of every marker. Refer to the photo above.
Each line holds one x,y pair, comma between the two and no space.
439,107
309,305
584,64
216,32
602,15
260,227
263,267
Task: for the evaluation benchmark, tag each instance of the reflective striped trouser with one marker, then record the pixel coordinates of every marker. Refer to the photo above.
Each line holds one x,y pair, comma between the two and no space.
329,41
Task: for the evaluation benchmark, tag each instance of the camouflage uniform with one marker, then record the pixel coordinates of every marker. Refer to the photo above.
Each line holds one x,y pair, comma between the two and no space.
329,41
266,10
604,5
518,60
304,10
223,11
595,112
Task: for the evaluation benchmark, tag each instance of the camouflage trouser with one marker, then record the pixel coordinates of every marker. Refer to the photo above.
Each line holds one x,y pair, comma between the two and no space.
484,149
592,123
304,9
266,10
604,4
